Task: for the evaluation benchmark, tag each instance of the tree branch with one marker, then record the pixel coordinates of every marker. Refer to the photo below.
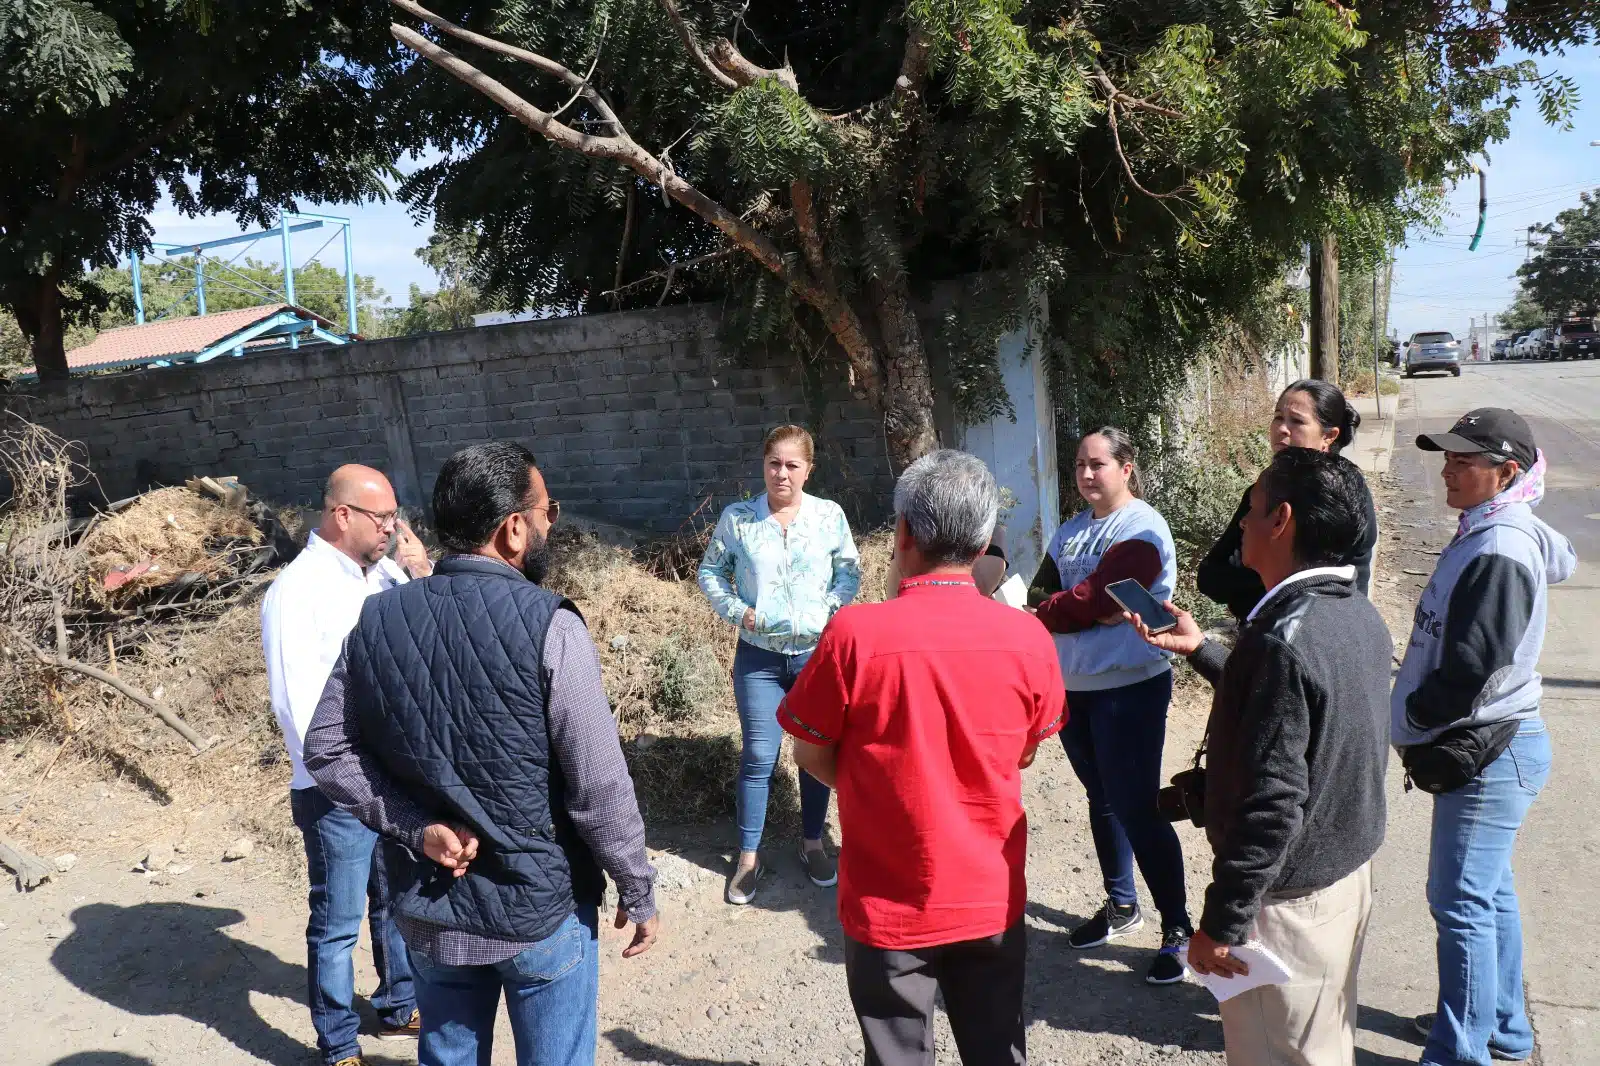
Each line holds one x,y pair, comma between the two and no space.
692,45
630,208
913,66
805,221
1132,103
1114,98
160,710
726,55
521,55
548,125
842,321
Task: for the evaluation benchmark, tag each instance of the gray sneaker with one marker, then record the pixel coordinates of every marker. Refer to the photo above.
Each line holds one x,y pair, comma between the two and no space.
819,866
743,884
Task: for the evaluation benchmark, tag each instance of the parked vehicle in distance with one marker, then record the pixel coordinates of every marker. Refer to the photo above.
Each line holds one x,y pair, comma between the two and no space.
1576,340
1514,349
1501,350
1392,354
1532,345
1434,350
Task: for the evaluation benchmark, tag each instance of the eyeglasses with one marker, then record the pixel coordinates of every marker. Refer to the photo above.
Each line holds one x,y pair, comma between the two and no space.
383,519
551,509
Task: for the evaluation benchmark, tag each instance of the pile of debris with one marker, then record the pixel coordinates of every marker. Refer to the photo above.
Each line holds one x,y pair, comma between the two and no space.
86,598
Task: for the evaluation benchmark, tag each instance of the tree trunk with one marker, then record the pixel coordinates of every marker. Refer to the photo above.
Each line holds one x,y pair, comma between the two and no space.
40,320
908,384
1325,309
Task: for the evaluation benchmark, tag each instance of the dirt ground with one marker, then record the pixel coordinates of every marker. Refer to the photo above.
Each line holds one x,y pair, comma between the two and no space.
106,966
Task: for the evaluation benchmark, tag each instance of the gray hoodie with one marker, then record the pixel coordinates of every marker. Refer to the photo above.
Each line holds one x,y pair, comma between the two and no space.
1479,627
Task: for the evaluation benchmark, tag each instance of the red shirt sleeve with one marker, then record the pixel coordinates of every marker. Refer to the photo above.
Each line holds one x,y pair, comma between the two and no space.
1049,701
814,709
1076,609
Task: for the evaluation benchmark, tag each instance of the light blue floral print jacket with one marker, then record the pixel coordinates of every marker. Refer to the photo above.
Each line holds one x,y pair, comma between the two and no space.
795,579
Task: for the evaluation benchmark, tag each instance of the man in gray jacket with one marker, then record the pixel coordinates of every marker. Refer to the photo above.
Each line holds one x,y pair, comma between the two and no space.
1465,716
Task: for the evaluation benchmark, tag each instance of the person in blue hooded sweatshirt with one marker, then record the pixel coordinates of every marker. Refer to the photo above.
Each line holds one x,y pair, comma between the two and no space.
1465,718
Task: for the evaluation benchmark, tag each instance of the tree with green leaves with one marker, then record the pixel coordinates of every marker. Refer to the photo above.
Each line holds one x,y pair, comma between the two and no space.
452,306
1564,278
168,286
1523,314
819,165
218,105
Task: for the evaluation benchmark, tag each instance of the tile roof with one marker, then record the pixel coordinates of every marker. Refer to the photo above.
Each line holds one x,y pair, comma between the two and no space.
128,345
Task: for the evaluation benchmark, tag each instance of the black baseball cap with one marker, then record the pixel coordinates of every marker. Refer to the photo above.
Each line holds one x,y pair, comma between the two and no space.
1486,429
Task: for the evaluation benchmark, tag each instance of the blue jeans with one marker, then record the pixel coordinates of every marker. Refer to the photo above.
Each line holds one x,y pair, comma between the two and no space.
345,865
551,989
761,678
1114,739
1474,904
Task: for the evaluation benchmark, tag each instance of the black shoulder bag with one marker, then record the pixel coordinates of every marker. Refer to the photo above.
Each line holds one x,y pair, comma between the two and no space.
1456,756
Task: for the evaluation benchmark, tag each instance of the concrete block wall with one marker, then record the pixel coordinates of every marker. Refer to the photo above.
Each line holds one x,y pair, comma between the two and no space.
639,418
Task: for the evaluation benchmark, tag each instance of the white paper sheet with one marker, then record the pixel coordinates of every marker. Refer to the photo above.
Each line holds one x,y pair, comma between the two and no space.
1013,592
1265,969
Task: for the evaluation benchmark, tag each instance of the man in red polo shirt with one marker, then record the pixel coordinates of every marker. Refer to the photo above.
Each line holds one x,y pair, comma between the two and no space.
922,712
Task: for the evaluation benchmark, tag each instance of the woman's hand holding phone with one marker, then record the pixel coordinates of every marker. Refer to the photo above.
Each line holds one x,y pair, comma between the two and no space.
1184,638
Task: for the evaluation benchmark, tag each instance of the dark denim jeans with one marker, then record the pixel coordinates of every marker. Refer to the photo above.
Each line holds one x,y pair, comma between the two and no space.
1474,903
761,678
552,992
347,880
1114,739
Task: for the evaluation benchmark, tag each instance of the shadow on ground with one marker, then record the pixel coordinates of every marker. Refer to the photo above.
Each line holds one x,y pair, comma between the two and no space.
635,1048
155,959
1103,990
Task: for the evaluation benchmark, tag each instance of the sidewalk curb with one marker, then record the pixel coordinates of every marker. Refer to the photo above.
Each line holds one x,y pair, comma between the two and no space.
1374,445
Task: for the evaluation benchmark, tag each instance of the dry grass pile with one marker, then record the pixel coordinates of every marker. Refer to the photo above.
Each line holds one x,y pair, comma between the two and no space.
667,661
162,536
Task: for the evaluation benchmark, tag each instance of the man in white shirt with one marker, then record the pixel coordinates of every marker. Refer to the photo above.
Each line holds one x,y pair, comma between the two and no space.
307,613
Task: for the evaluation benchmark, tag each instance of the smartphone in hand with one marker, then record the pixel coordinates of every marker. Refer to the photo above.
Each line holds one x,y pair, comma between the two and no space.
1136,599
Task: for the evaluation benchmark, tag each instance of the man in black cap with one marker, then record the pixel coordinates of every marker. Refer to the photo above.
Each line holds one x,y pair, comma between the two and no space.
1465,716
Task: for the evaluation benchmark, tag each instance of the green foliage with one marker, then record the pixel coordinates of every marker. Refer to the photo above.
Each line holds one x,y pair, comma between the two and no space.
687,678
169,291
1523,314
454,303
223,107
1244,130
1564,278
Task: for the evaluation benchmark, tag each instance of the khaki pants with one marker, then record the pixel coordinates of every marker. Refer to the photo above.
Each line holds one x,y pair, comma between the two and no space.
1311,1021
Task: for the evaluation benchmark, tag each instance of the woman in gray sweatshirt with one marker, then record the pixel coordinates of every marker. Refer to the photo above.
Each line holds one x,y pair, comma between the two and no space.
1467,698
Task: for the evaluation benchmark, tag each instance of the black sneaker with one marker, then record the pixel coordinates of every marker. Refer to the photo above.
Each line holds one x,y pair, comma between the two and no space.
1168,967
1112,922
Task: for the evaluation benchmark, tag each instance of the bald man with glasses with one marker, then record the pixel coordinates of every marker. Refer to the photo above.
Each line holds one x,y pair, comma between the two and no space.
309,610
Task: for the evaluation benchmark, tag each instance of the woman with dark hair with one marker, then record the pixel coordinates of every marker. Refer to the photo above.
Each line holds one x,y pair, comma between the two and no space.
1310,414
1118,689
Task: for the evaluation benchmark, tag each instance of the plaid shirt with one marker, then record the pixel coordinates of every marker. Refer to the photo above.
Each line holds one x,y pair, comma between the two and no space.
599,799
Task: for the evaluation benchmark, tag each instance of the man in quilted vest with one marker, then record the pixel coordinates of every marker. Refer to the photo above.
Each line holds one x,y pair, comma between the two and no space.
466,719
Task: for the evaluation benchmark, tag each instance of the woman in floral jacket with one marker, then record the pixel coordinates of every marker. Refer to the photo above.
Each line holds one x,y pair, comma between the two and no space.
777,567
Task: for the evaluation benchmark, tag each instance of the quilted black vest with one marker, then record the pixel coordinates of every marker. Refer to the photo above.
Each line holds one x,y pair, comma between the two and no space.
447,681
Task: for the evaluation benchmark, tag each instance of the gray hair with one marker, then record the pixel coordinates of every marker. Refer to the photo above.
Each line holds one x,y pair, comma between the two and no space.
950,505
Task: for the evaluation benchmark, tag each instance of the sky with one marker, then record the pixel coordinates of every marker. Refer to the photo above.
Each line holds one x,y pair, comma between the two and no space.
1438,284
1538,171
386,239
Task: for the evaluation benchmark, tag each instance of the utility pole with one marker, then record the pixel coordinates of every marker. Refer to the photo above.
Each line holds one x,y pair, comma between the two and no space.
1325,309
1377,339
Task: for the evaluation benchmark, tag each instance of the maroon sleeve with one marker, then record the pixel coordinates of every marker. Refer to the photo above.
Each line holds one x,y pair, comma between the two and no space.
1076,609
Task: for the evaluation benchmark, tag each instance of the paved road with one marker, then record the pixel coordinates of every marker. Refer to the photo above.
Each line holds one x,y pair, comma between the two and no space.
1558,859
